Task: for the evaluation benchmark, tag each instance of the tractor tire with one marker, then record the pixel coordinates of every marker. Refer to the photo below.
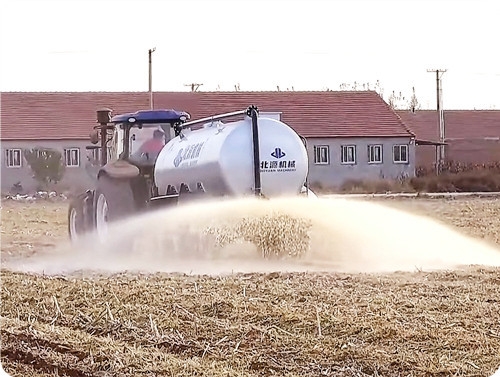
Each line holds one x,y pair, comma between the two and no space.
76,220
114,201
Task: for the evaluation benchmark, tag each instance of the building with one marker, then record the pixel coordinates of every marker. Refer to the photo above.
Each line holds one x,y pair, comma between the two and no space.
61,121
350,135
471,136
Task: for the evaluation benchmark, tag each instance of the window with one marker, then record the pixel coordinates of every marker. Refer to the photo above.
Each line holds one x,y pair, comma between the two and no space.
96,154
13,158
72,157
374,154
348,154
400,154
321,154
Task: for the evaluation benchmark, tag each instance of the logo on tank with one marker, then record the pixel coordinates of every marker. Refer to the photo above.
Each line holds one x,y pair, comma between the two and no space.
278,164
278,153
188,156
178,158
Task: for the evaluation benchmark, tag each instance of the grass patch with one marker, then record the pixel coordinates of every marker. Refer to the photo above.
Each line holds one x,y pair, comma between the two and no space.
472,180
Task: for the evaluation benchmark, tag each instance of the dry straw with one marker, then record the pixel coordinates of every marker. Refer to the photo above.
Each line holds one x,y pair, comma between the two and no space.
401,324
420,324
275,235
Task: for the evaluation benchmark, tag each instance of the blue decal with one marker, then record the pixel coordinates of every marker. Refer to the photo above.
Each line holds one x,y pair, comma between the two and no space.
178,159
278,153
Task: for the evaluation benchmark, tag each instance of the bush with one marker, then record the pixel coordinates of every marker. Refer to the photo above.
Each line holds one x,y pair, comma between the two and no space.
358,186
455,177
454,167
478,180
459,178
46,165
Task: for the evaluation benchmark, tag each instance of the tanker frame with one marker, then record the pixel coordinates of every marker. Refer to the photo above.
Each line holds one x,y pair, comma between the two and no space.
253,156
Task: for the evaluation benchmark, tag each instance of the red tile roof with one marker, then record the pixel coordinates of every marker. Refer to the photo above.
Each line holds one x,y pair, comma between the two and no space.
459,124
312,114
59,115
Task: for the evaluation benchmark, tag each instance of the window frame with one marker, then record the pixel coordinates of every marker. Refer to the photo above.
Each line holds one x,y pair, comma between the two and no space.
317,152
67,154
347,147
381,154
400,161
9,158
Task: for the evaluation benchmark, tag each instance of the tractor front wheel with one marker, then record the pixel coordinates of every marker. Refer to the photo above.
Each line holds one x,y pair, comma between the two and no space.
76,220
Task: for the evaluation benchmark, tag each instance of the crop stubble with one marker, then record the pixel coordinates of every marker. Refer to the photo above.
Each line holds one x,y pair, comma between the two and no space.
439,323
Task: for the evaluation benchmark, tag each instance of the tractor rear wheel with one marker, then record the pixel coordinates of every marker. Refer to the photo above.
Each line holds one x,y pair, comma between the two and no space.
114,201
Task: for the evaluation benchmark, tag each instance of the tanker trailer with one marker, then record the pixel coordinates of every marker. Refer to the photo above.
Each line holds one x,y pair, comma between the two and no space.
253,156
202,159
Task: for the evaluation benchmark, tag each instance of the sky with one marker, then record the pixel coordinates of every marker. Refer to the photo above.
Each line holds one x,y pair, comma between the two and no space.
102,45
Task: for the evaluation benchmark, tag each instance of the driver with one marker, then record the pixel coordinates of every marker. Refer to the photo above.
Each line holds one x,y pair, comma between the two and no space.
153,146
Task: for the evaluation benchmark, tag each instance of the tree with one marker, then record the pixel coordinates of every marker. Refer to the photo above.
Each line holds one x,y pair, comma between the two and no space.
413,104
397,101
46,164
364,86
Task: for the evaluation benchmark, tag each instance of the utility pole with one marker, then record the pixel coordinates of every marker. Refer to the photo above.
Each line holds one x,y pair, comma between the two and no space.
150,52
440,155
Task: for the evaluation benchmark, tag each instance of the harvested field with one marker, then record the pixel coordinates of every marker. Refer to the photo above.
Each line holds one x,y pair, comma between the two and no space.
478,217
418,323
29,228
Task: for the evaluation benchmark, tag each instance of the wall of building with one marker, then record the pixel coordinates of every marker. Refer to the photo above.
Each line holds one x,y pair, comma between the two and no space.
473,151
74,179
463,151
332,174
335,173
425,156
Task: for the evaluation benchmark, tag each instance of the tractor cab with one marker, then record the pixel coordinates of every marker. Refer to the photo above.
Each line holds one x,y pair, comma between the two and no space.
135,138
138,137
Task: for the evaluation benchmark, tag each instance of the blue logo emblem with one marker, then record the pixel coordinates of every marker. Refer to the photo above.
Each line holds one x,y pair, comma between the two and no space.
278,153
178,158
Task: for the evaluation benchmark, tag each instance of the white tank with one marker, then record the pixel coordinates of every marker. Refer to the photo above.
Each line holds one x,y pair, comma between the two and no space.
220,157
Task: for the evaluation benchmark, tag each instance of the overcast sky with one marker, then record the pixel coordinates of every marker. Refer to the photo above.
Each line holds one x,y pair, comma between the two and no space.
102,45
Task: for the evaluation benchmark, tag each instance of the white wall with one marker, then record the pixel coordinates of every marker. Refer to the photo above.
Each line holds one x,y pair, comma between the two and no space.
332,174
75,178
335,173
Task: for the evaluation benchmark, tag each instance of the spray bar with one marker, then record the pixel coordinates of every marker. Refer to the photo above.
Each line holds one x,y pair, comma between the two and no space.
212,118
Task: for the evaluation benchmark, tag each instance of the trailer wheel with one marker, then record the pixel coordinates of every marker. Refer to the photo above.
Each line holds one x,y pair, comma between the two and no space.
76,220
114,202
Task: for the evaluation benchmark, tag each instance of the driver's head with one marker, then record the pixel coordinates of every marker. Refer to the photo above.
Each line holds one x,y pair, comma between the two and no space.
158,134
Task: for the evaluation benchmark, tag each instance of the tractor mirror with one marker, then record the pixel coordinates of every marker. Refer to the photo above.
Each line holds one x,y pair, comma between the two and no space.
94,137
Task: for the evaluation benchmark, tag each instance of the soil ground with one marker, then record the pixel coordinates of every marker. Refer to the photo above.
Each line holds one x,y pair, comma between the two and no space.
258,324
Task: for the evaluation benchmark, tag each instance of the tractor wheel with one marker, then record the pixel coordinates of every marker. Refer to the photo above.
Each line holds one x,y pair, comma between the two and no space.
76,220
114,201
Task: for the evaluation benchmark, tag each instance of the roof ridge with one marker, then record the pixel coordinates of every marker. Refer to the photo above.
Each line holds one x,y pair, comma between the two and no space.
403,124
185,91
